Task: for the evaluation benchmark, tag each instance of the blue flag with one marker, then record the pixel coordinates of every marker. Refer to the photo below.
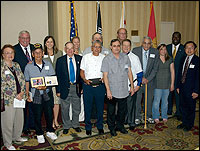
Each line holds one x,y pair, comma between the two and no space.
74,28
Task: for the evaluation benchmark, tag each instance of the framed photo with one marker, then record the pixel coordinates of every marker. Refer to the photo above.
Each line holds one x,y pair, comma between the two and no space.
51,80
39,81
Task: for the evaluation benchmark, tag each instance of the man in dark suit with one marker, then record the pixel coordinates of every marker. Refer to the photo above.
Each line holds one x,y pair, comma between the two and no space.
188,85
69,87
23,56
177,52
149,60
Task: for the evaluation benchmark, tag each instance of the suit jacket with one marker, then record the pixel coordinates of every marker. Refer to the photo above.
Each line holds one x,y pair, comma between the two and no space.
152,64
56,56
20,57
8,83
192,77
179,56
62,73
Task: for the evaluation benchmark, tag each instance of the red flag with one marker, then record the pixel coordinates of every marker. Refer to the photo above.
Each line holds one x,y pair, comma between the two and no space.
152,26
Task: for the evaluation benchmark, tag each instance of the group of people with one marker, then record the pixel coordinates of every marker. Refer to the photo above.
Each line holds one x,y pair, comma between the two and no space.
117,75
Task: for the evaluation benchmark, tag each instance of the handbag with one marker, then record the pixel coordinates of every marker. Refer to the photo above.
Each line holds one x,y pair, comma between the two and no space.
95,81
2,104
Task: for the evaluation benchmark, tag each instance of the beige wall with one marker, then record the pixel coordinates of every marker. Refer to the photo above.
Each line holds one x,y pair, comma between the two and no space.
183,13
137,18
23,15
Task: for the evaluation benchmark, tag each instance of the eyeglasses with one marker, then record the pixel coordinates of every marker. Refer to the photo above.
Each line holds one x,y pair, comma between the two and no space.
97,47
145,43
25,38
122,33
7,53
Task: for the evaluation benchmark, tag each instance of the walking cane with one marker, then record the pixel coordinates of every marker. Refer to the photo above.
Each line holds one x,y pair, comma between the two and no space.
145,120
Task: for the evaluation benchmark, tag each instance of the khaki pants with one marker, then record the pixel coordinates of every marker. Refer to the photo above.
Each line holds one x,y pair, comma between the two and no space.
12,120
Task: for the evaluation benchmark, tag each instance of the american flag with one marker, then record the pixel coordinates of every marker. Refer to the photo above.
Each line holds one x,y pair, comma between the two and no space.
74,28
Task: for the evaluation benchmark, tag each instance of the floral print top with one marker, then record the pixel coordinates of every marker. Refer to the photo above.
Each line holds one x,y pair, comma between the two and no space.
8,83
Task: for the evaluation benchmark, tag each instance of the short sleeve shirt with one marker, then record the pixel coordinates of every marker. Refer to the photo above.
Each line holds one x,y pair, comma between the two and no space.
135,66
32,71
117,74
92,66
163,76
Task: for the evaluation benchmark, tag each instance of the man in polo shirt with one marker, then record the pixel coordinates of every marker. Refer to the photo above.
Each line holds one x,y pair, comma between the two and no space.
90,70
42,95
116,68
97,36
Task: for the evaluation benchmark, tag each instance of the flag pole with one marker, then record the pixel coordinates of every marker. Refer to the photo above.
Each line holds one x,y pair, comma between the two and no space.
145,120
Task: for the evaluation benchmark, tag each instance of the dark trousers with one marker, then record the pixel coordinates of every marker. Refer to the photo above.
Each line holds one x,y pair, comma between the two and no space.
170,103
120,117
38,109
188,106
89,94
131,106
28,116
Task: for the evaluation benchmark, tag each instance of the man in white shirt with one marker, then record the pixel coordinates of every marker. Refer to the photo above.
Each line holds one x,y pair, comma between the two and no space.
137,78
93,86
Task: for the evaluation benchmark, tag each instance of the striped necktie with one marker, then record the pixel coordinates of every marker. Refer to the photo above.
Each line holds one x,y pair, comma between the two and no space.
27,55
185,70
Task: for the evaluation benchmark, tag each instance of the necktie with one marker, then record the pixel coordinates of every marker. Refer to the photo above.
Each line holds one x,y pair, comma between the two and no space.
144,61
27,54
174,53
185,70
71,70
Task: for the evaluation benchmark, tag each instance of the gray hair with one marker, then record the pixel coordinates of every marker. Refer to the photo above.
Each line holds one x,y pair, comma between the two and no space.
97,41
23,32
147,37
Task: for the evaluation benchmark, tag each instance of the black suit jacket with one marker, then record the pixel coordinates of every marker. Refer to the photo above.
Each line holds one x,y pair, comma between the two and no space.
62,73
192,77
179,56
20,56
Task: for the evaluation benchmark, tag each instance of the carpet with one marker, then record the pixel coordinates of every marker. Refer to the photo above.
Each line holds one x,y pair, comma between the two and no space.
161,136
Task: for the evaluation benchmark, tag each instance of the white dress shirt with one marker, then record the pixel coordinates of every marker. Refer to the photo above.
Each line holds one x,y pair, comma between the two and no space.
28,49
92,65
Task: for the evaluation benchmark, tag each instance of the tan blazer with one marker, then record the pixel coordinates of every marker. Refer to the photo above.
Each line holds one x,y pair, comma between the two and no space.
8,84
56,56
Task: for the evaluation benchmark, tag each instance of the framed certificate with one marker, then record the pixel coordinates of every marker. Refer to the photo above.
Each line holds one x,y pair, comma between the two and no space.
51,80
39,81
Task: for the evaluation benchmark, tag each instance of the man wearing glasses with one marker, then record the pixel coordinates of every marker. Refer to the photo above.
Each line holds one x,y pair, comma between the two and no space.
149,60
121,34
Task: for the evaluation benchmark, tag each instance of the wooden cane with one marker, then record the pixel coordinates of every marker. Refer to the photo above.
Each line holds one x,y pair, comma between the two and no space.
145,113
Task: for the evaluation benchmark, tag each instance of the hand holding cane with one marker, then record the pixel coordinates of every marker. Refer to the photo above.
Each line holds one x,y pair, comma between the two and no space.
145,120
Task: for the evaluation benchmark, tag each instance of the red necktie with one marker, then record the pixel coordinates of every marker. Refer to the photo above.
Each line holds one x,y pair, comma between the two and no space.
185,70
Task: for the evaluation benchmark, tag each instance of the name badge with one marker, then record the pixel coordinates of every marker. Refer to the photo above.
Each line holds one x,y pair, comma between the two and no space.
46,67
152,55
191,66
45,56
7,72
126,66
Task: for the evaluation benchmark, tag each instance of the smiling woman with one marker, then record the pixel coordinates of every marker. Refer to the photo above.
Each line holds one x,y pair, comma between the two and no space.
12,87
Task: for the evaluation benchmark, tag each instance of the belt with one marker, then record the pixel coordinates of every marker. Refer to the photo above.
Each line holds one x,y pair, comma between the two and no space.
72,83
94,86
